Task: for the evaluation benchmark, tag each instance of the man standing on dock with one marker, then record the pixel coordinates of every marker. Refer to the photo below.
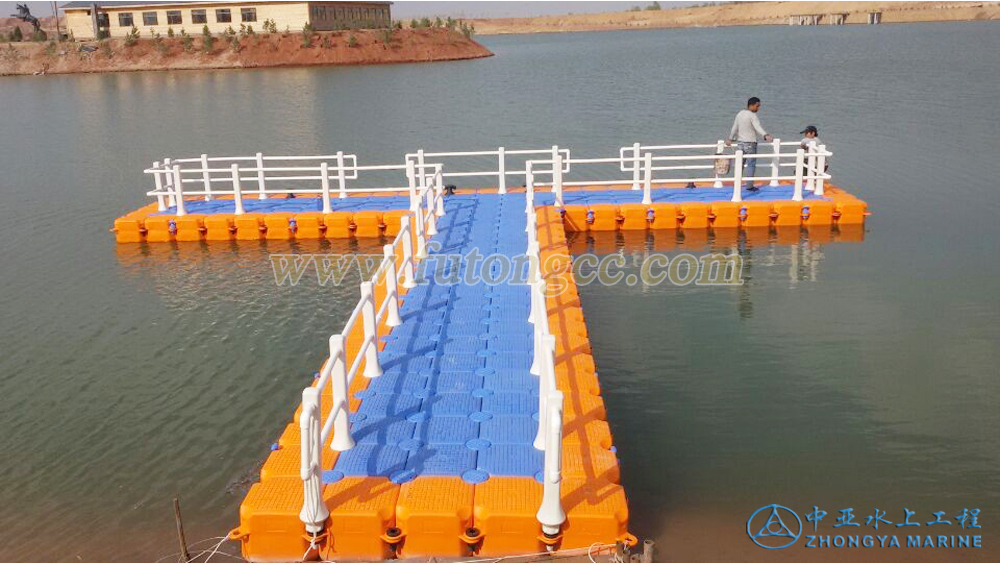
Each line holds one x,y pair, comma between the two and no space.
746,129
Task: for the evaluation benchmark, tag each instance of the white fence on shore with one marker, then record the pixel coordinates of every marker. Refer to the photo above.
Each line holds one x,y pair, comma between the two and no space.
643,167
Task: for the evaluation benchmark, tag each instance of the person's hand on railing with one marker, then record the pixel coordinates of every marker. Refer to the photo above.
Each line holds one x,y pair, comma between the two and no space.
768,138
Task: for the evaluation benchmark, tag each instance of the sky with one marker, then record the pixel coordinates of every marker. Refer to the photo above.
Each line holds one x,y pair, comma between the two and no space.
465,9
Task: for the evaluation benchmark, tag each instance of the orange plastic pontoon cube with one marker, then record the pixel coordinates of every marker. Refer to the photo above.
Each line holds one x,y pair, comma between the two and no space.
308,225
605,217
278,226
695,215
219,227
665,216
189,227
727,214
367,223
362,509
634,216
596,512
789,213
758,214
575,219
248,226
160,228
433,514
270,529
505,509
338,225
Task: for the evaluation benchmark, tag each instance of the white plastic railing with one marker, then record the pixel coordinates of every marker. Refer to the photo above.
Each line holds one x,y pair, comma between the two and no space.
423,158
239,177
807,170
339,370
550,400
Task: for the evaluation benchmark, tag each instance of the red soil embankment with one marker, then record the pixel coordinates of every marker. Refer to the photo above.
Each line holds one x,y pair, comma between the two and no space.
260,50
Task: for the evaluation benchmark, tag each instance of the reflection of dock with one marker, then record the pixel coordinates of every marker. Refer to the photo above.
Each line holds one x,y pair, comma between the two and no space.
466,419
832,18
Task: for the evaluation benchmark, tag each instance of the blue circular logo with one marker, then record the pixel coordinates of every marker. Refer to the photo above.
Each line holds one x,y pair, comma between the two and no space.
772,532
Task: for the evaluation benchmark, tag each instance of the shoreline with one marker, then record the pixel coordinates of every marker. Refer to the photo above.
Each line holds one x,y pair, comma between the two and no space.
740,14
280,50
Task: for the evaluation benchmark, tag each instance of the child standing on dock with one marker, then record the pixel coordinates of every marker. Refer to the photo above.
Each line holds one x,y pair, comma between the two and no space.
746,130
811,139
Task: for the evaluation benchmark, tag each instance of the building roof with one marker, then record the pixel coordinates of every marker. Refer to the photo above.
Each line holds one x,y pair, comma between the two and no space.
137,4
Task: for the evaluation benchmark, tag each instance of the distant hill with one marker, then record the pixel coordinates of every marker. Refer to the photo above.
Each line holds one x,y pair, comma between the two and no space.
741,14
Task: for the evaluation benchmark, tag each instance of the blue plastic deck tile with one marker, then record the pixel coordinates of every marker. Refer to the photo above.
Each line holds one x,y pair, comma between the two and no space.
442,460
451,404
510,380
407,382
510,460
371,460
509,360
460,345
459,362
453,430
512,342
389,405
503,430
507,403
455,382
404,360
387,431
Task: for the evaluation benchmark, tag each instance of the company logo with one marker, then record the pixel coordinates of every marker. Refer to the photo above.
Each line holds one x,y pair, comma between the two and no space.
773,531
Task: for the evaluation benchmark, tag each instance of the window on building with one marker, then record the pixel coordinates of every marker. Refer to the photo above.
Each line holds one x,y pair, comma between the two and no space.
103,20
223,15
248,14
174,17
149,18
199,16
125,19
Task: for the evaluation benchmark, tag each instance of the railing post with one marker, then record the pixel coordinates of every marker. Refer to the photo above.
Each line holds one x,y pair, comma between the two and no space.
324,172
538,289
810,176
557,178
502,171
237,191
551,514
158,182
419,232
439,193
422,169
169,181
775,163
545,390
411,182
720,149
431,220
206,177
341,175
342,439
635,166
800,158
738,177
820,170
179,191
391,288
260,176
647,181
533,256
407,233
314,512
372,368
529,186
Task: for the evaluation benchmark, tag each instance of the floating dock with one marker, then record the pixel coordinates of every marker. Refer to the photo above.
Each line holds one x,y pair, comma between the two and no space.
455,420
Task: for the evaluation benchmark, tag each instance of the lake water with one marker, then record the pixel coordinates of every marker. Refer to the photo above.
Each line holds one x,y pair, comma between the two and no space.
849,375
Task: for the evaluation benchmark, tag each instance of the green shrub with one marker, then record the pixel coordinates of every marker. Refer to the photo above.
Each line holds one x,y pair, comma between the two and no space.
50,49
386,36
450,24
307,35
187,41
234,44
438,22
132,37
327,42
207,40
352,41
414,24
654,6
16,35
39,35
170,32
106,48
425,22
